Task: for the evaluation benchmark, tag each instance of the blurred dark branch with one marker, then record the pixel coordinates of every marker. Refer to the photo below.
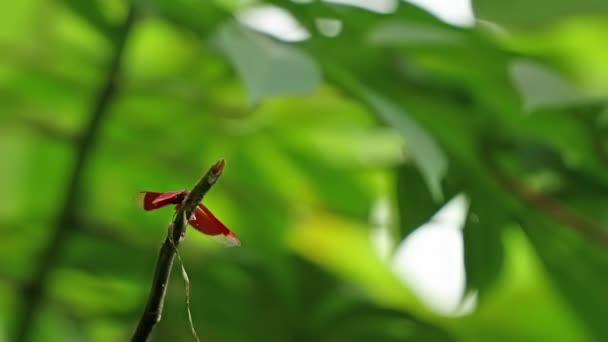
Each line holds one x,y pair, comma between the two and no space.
110,232
182,166
36,60
48,129
601,149
177,230
544,203
10,279
34,291
188,93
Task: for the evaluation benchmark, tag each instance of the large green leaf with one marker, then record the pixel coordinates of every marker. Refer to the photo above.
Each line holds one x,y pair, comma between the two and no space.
268,68
400,93
425,151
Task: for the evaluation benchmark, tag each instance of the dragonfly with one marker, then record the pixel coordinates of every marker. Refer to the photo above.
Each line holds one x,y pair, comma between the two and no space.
202,219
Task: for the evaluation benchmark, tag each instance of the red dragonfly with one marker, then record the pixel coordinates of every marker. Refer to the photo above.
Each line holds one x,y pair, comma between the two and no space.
202,218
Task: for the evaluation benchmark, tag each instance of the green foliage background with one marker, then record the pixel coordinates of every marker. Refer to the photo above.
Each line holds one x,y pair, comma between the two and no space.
510,112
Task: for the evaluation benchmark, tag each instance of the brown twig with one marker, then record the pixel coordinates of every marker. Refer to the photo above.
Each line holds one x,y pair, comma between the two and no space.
177,228
545,203
35,289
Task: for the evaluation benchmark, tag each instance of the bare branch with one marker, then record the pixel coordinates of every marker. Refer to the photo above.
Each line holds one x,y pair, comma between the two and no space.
177,229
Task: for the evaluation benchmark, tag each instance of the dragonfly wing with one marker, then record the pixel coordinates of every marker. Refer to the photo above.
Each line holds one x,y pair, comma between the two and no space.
205,222
150,200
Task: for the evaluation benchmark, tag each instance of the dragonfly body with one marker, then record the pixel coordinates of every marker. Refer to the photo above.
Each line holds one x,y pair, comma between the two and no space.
202,219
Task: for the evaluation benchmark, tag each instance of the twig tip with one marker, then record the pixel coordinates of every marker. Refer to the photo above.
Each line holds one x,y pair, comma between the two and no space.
218,167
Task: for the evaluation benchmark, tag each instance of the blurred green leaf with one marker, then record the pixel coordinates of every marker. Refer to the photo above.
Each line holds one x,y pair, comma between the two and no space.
412,34
415,203
537,311
344,248
426,153
92,11
405,95
538,13
268,68
561,250
97,294
541,87
482,234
